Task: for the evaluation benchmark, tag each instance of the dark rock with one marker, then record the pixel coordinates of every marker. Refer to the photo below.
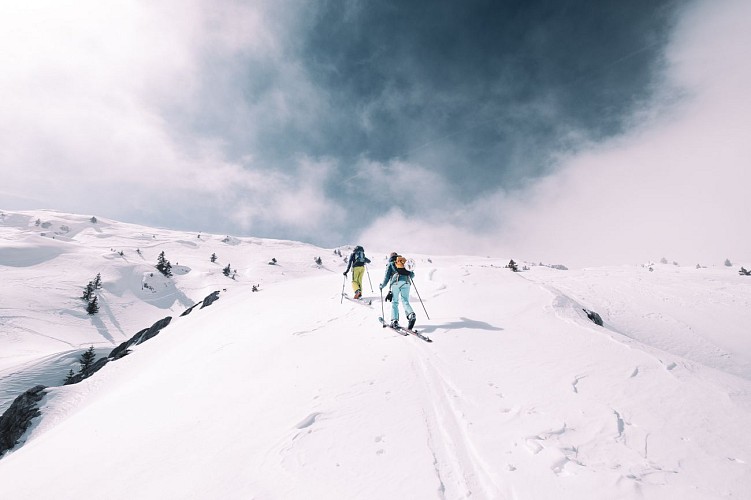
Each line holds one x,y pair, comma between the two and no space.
190,309
596,319
98,365
17,418
152,331
210,299
140,337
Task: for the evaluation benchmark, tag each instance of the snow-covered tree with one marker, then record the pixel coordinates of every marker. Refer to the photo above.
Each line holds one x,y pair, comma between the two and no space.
88,291
728,263
163,265
213,257
227,270
98,281
93,306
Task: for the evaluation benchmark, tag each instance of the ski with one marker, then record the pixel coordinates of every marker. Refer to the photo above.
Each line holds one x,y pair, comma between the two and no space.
418,335
397,330
404,331
365,302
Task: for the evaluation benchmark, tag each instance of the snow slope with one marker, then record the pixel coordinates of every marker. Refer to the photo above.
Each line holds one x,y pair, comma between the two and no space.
292,393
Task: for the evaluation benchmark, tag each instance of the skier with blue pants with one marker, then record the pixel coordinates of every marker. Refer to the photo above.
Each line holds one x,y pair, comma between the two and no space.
400,280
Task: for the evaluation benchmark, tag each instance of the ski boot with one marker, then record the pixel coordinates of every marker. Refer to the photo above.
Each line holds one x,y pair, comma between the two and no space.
412,318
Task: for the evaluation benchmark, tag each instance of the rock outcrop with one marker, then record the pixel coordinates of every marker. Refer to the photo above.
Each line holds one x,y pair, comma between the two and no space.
17,418
596,319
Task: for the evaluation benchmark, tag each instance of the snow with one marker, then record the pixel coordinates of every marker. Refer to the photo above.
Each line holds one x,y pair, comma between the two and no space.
292,393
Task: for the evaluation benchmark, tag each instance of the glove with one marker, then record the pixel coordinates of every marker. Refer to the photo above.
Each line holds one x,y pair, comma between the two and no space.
345,273
380,286
389,296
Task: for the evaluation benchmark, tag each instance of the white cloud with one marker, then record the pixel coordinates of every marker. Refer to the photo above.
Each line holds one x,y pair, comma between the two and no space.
91,91
674,186
295,200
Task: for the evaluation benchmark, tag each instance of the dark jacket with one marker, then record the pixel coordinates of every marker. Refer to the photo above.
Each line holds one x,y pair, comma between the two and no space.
352,263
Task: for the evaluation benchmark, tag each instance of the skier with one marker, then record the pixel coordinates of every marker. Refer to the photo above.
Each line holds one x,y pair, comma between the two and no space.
400,279
357,261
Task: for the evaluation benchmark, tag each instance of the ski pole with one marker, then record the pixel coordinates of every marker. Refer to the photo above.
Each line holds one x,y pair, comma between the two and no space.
383,314
418,296
371,283
344,282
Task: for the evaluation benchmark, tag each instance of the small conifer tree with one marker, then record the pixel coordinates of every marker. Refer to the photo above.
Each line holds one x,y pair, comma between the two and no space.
98,281
69,377
213,257
227,270
93,306
88,291
87,359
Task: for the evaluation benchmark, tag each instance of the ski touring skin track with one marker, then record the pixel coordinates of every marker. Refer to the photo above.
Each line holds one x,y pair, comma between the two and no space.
404,331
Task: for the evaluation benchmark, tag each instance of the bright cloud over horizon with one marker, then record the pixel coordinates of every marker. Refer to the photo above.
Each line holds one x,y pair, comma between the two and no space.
577,133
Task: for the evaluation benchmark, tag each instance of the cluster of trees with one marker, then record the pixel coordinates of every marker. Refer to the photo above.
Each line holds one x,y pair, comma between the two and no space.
665,261
163,265
86,361
227,271
92,301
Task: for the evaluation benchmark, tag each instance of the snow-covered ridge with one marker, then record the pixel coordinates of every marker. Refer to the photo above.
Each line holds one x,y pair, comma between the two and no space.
292,393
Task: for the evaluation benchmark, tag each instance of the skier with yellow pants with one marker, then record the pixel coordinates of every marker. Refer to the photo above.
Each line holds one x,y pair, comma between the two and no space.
357,261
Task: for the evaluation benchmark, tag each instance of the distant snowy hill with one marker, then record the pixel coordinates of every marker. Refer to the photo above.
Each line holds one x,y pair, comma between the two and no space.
293,393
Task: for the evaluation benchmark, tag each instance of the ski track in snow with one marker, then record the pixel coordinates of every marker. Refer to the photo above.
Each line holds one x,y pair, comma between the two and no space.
460,469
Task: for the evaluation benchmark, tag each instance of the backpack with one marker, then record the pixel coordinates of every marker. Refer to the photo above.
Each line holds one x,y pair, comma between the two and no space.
359,256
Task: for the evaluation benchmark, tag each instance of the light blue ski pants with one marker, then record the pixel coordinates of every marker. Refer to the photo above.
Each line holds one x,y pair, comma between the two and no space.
400,289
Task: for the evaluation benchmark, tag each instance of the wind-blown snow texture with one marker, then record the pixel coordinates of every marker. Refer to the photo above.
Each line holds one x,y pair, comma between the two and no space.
291,393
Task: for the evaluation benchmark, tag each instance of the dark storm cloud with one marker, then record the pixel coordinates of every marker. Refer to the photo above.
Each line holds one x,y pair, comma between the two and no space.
454,126
482,91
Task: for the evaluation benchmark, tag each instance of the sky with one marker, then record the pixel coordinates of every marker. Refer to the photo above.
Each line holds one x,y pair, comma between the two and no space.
322,121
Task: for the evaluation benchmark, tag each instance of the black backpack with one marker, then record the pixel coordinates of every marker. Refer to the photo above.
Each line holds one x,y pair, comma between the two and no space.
359,255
